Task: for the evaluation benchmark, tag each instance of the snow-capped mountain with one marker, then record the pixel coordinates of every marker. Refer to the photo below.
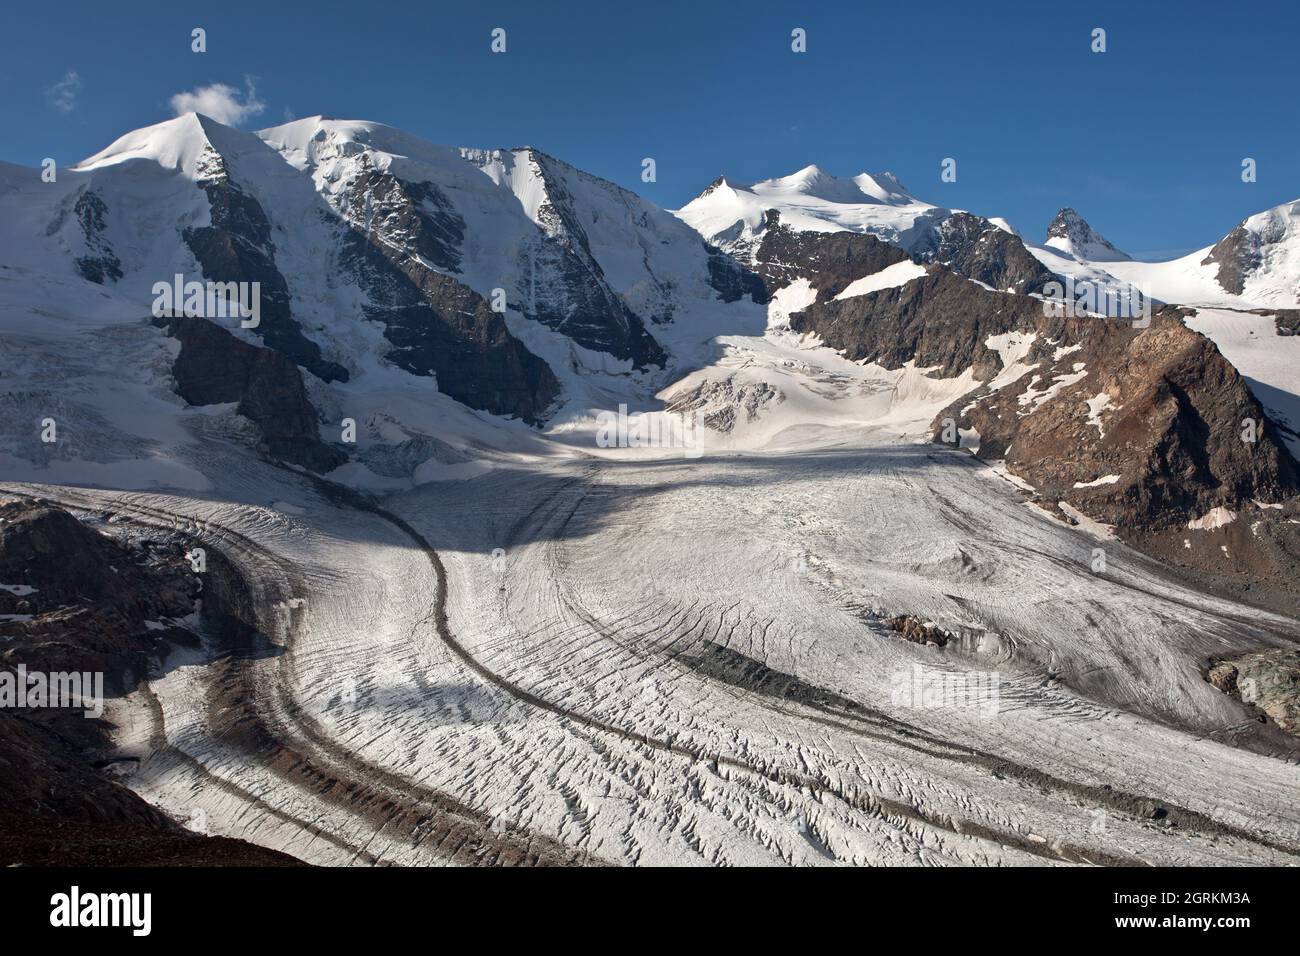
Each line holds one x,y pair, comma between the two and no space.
810,200
440,299
894,283
761,225
1256,265
399,281
1070,233
1259,260
526,644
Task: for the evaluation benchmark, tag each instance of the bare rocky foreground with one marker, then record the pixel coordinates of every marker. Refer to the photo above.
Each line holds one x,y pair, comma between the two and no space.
693,662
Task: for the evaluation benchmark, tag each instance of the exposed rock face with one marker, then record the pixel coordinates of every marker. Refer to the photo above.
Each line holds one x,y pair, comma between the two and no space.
828,260
917,631
731,280
720,402
101,264
1071,233
1237,255
86,603
570,292
940,320
1287,321
1140,428
1137,428
77,602
237,247
72,580
1270,680
968,244
439,326
1245,251
577,299
974,247
215,367
416,217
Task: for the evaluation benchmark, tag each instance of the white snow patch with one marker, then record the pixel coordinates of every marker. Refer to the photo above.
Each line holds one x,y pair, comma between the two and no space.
1096,483
1214,518
1096,405
890,277
1037,397
795,297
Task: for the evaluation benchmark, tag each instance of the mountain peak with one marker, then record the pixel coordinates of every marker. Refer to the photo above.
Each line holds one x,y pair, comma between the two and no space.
175,143
813,182
883,186
1070,233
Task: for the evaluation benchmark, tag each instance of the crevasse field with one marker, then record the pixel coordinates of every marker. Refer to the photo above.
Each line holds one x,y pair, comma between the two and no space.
684,661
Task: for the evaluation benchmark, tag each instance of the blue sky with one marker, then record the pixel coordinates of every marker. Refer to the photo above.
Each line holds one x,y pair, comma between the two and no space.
1146,139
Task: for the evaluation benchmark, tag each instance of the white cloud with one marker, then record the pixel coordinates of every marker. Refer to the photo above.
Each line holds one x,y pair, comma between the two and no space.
63,94
223,103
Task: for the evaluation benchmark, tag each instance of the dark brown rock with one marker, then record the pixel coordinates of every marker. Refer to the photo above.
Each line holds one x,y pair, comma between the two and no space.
237,247
940,320
828,260
215,367
977,249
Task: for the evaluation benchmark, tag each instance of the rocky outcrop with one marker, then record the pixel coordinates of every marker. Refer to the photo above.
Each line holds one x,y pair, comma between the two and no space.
940,321
966,244
236,247
1243,252
828,260
439,326
718,403
915,630
1237,255
1070,233
567,289
403,242
100,265
214,367
414,216
731,280
559,281
78,601
1153,432
974,247
402,247
1268,680
1140,428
